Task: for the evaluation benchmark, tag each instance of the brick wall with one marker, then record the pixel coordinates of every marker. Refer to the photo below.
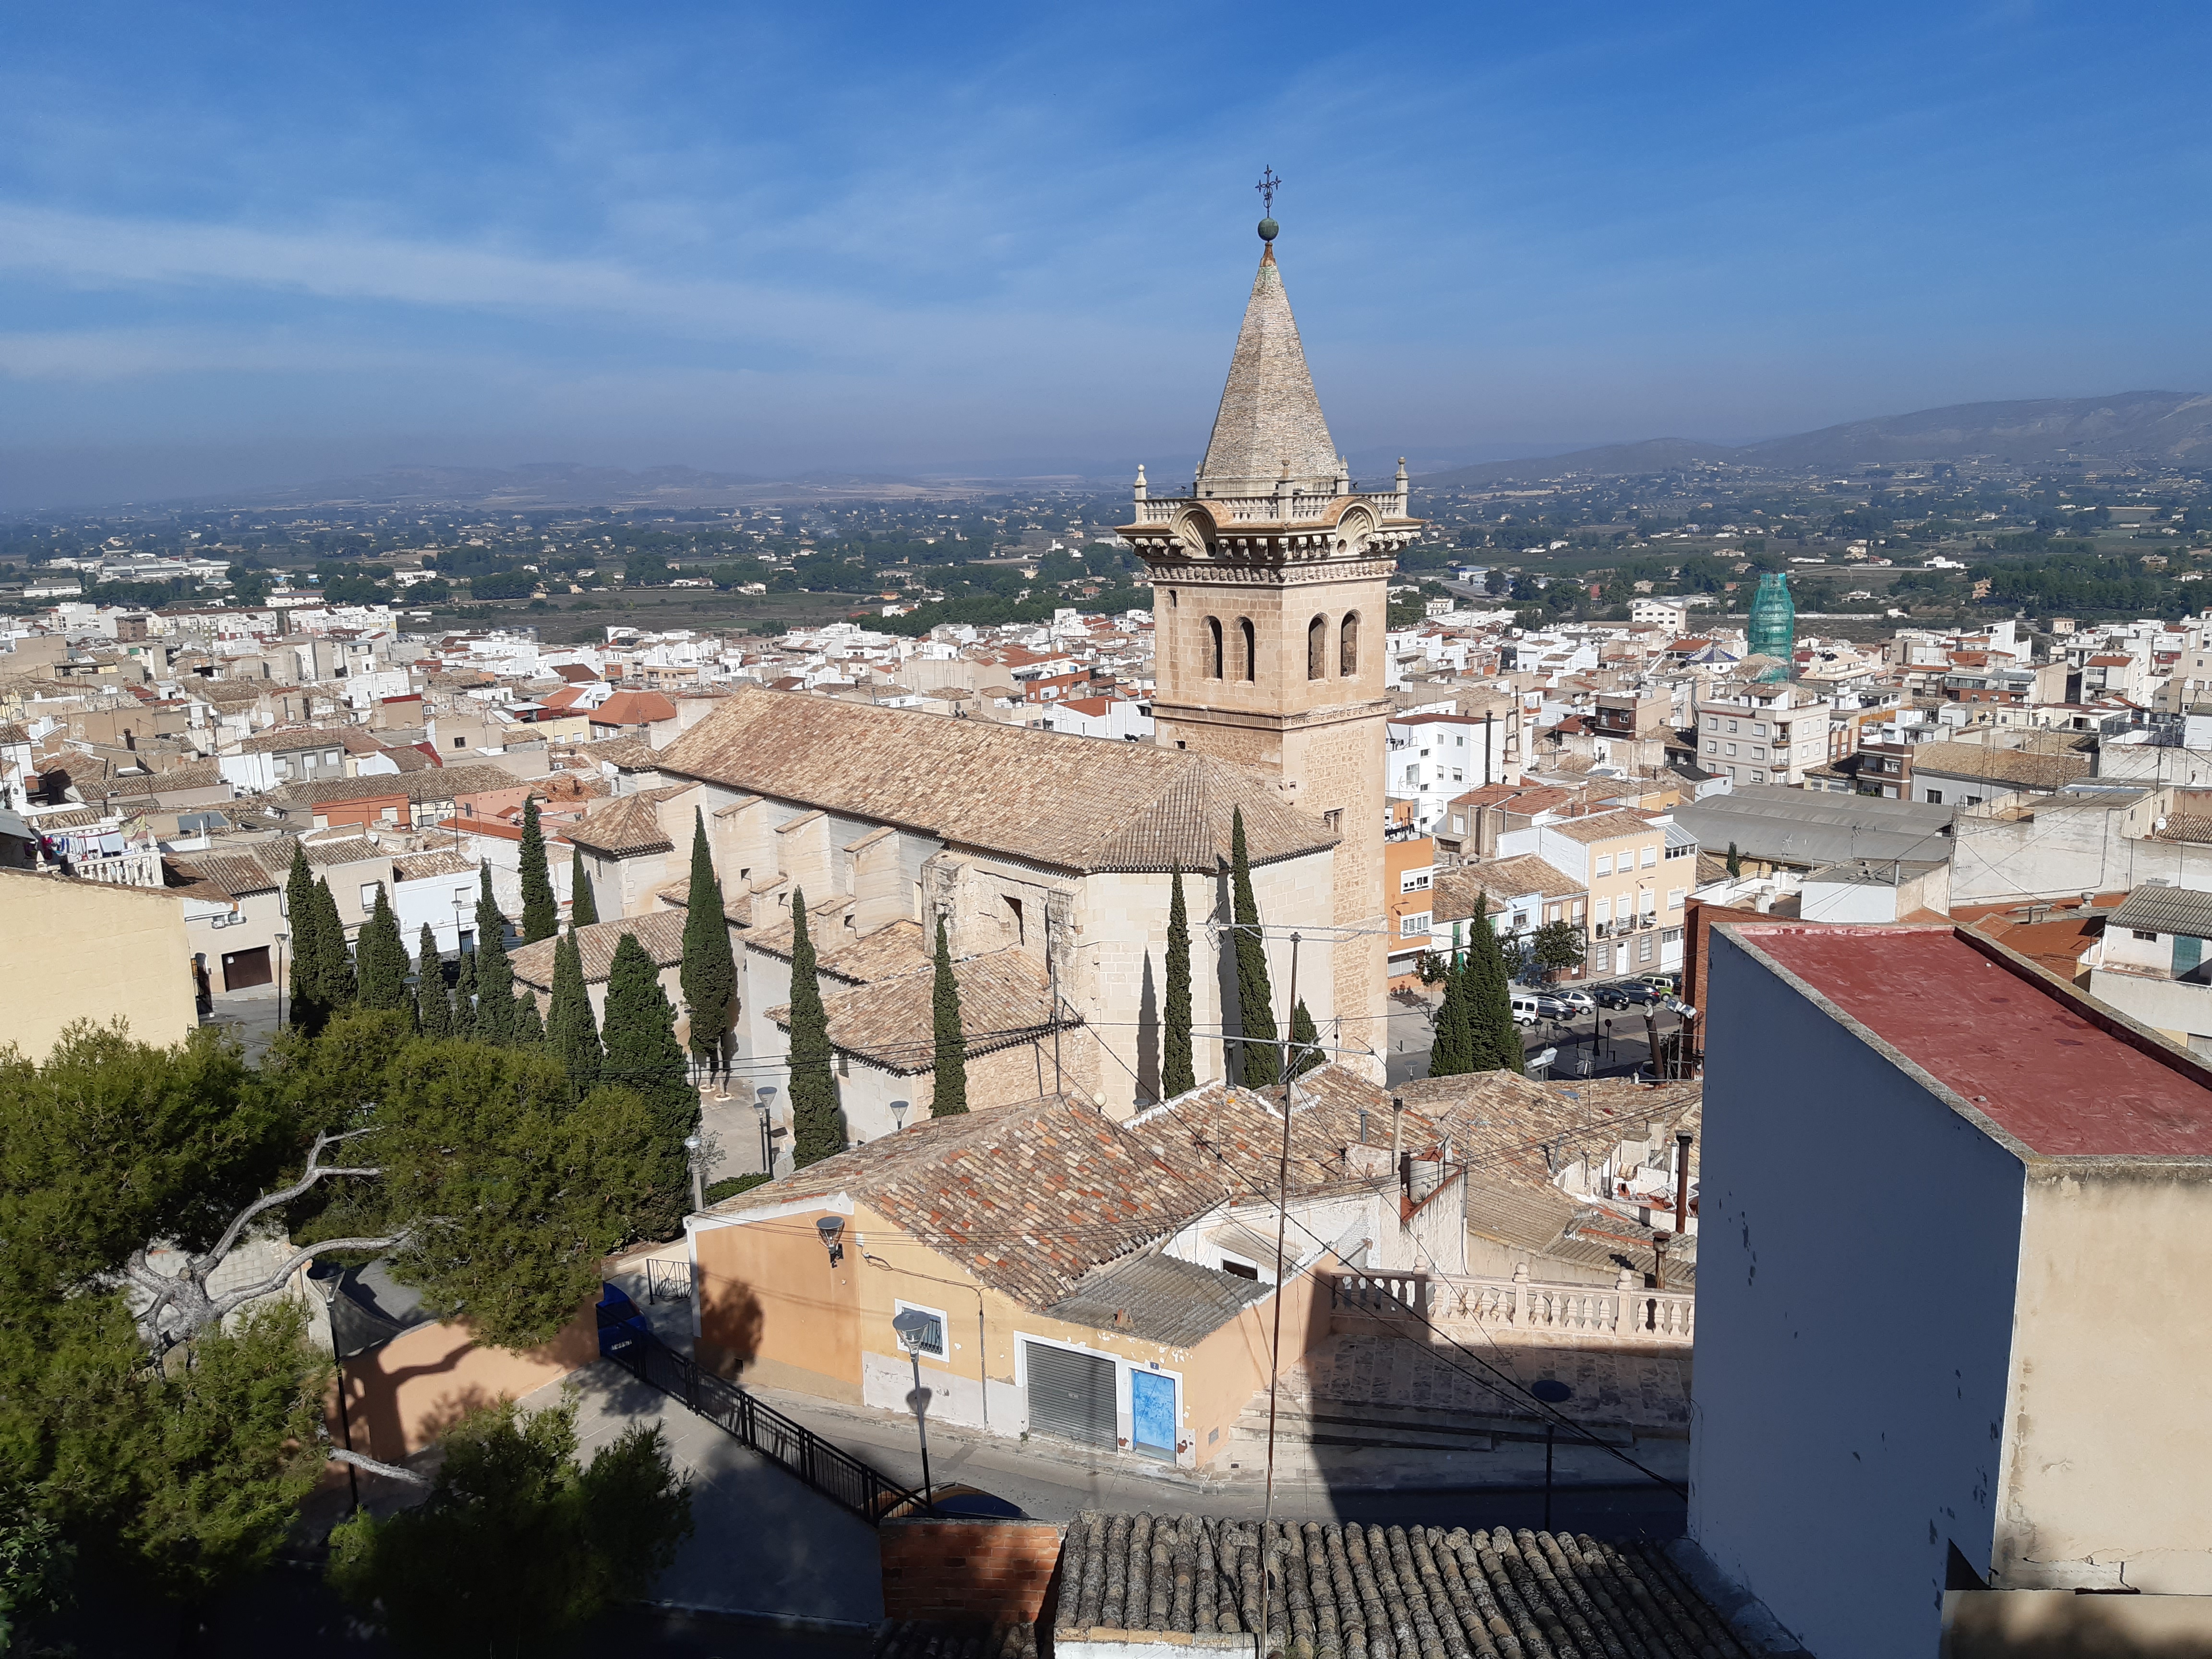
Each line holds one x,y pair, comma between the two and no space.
992,1571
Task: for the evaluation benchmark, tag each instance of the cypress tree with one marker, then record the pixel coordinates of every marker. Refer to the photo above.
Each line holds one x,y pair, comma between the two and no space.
382,957
583,910
1448,1055
1178,1075
1734,862
334,982
495,977
1305,1038
433,1008
950,1098
1256,1000
1495,1043
529,1030
710,973
464,999
641,1050
817,1129
569,1027
307,1010
541,913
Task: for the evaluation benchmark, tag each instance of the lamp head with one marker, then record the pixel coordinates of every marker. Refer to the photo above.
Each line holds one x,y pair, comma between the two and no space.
832,1230
912,1326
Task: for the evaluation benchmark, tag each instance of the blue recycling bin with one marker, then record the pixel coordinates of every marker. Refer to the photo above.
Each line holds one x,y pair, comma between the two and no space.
622,1328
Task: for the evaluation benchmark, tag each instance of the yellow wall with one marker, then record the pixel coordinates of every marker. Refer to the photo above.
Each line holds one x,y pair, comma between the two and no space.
774,1310
96,951
2103,1472
402,1396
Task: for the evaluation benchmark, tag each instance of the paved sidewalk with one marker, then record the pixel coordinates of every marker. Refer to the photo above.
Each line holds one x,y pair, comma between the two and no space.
762,1543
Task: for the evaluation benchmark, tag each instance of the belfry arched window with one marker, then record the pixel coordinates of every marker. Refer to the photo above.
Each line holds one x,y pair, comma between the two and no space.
1348,655
1249,665
1317,648
1213,648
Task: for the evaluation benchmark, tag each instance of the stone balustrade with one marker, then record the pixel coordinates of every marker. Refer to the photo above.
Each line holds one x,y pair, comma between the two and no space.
1625,1312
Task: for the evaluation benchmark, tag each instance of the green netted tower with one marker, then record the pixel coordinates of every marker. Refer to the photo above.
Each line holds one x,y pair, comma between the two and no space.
1773,628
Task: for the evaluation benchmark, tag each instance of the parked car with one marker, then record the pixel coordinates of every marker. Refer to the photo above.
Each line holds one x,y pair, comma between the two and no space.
1525,1011
1550,1004
1667,984
1581,1001
1626,994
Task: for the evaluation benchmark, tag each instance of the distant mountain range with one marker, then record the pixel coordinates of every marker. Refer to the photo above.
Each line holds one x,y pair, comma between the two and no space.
2171,428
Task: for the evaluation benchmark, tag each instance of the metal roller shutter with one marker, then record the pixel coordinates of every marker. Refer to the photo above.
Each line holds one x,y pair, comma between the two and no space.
1071,1395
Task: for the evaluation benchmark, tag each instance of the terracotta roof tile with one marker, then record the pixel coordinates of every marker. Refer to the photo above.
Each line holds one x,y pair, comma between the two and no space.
1005,1001
1074,803
661,933
623,826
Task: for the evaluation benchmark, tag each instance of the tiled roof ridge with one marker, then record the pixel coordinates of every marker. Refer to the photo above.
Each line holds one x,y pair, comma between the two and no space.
1348,1588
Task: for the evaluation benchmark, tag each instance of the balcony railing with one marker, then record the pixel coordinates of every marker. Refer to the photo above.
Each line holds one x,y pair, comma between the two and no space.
1451,1303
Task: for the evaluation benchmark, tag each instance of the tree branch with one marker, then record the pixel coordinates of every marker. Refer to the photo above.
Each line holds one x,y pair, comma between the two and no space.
389,1471
285,1195
218,1306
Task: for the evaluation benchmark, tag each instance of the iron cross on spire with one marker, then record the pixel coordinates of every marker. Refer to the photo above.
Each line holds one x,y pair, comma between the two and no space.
1267,185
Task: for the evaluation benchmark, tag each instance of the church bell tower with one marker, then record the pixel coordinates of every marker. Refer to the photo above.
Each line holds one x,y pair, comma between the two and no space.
1271,592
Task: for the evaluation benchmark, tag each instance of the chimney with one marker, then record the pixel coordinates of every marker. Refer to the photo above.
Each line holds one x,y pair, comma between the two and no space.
1681,1181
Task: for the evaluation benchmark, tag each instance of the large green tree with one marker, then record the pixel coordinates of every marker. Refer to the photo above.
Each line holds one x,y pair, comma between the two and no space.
307,1010
433,1007
640,1049
709,976
382,957
1257,1060
948,1070
541,912
1451,1051
1178,1070
817,1128
334,977
495,974
583,909
465,997
521,1544
1494,1039
473,1170
570,1029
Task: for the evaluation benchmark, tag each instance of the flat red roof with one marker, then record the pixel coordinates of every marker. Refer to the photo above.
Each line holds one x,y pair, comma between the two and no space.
2037,1062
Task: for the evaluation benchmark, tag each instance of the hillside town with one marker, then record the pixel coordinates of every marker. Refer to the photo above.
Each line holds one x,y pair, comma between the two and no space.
1305,1047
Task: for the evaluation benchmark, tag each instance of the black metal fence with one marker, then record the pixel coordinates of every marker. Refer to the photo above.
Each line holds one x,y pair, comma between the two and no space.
830,1470
667,1281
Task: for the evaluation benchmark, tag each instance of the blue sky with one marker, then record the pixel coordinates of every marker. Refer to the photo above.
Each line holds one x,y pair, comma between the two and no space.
249,244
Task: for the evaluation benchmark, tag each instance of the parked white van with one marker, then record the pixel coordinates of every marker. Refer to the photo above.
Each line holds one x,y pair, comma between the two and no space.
1525,1012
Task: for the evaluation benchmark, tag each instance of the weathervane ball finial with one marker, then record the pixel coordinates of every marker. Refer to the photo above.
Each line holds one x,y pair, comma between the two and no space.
1267,185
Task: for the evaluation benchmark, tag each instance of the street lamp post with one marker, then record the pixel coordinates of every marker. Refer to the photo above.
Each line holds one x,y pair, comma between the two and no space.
913,1326
281,937
691,1145
763,1097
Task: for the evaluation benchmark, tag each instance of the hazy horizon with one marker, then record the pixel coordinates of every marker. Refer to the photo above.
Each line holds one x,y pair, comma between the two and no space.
271,248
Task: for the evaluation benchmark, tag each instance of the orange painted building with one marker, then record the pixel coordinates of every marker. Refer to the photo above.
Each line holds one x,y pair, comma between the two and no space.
1409,869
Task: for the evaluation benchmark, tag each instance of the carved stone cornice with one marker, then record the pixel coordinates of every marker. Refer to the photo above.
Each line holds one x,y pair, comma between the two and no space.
1256,721
1168,568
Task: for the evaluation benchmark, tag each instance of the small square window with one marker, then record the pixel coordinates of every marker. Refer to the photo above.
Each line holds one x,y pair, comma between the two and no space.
2139,933
933,1334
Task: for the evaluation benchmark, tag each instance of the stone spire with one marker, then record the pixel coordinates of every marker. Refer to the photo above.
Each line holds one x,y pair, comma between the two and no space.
1270,423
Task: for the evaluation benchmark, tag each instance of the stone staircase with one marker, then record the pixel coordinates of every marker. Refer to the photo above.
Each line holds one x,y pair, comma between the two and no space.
1355,1443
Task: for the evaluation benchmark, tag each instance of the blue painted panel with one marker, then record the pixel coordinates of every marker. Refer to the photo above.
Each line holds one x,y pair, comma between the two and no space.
1152,1411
